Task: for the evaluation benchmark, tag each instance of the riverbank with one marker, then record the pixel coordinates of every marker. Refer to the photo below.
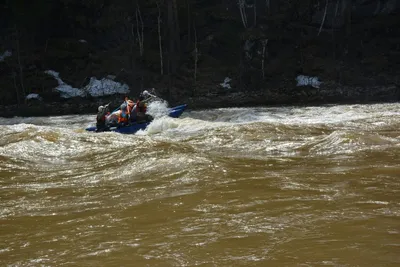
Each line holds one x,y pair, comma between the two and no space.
328,93
227,55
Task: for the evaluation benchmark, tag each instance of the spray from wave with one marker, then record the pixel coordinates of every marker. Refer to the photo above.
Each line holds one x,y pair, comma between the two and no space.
158,109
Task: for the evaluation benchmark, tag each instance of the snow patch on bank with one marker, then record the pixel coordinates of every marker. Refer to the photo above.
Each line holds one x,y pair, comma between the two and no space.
226,84
105,87
5,55
34,96
95,88
303,80
66,91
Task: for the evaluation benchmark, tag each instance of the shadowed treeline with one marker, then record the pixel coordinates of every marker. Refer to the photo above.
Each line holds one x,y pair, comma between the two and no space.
187,47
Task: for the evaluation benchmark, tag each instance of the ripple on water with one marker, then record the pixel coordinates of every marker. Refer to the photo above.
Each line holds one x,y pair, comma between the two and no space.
245,186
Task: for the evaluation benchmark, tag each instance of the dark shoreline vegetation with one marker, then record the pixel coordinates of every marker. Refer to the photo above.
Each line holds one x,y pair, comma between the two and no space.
240,99
186,48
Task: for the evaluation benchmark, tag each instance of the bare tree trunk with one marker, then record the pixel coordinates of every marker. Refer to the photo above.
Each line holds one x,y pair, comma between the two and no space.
45,47
160,39
264,45
348,9
188,25
171,66
171,30
337,8
323,19
242,9
141,40
255,13
268,6
332,31
16,87
21,74
196,55
132,47
174,35
177,28
139,33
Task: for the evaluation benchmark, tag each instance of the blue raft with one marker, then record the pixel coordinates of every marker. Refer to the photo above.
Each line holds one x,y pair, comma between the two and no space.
174,112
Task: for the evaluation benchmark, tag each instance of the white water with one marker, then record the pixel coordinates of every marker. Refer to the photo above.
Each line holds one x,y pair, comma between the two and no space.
290,186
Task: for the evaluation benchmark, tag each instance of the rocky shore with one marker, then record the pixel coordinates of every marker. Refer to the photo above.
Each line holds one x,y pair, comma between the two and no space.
187,50
328,93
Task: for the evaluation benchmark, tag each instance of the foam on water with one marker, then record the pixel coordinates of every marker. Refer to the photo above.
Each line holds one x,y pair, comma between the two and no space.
299,115
285,130
159,125
191,121
216,187
158,109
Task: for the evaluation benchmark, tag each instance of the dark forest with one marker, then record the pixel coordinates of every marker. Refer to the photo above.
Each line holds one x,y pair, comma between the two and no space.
186,48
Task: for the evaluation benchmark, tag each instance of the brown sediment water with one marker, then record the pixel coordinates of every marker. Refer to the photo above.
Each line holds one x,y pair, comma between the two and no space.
292,186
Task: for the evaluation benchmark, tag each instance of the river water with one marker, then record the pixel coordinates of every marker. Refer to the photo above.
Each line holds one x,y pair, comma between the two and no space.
290,186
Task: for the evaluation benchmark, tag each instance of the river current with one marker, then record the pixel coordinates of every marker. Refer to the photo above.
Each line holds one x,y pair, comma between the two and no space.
282,186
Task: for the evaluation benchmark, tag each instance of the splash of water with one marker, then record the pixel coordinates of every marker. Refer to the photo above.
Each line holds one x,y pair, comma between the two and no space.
159,125
158,109
237,182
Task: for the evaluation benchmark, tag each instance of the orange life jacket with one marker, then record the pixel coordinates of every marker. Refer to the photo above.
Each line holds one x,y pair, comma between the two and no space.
122,117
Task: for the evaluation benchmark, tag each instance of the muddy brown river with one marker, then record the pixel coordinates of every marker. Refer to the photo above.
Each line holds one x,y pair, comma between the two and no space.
290,186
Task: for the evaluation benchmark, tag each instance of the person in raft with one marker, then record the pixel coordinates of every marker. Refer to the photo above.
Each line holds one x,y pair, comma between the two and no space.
102,113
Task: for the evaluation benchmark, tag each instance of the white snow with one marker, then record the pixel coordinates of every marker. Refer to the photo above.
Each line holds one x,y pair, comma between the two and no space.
66,91
105,87
5,55
303,80
95,87
226,82
33,96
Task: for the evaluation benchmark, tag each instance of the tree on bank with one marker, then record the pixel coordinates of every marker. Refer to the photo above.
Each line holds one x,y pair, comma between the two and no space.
189,46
